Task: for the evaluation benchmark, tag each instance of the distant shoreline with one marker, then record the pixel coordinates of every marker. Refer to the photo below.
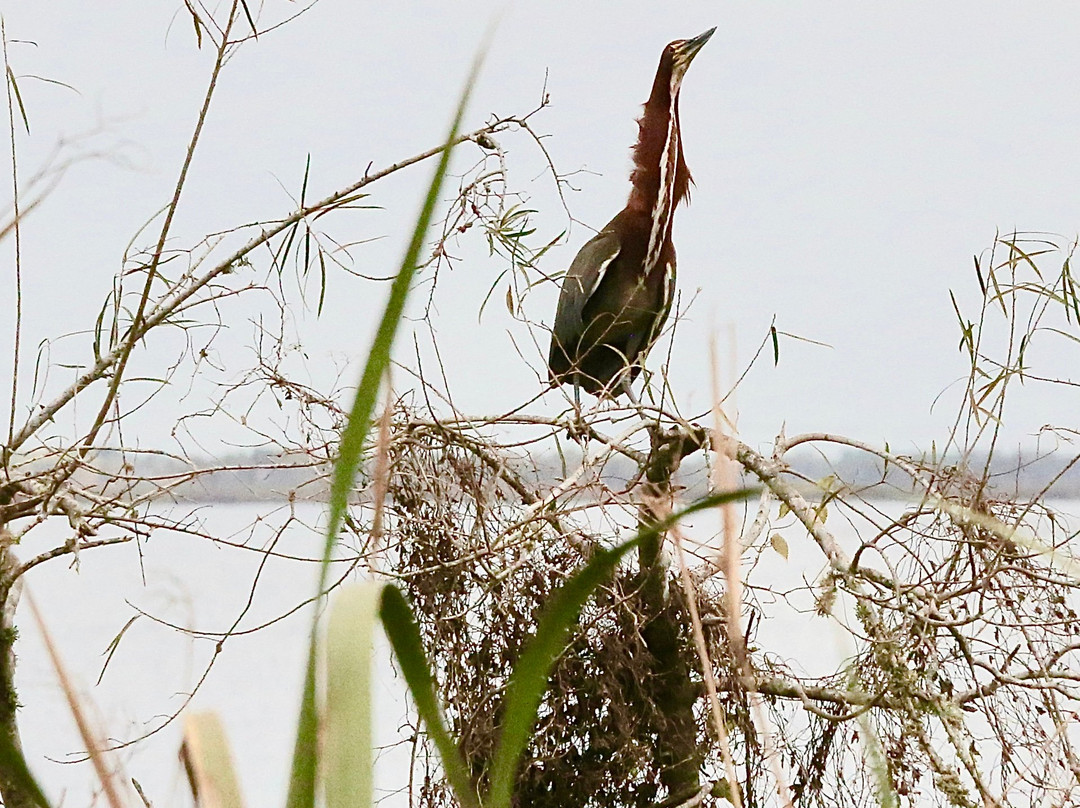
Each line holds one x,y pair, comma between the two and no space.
259,477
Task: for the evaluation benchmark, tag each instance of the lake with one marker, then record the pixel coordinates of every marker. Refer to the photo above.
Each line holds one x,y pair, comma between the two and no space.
195,583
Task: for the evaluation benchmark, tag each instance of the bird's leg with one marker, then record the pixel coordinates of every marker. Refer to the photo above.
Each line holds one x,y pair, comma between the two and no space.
578,431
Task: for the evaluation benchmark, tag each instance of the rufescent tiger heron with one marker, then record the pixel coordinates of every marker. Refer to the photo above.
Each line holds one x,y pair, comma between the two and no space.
618,291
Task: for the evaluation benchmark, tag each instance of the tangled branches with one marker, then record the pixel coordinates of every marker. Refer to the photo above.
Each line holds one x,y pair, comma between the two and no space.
949,606
480,577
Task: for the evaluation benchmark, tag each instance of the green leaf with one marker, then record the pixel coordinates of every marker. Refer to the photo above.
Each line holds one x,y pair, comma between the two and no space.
18,97
529,679
250,19
302,781
404,636
979,275
305,755
348,764
322,282
997,293
17,773
355,433
528,682
490,292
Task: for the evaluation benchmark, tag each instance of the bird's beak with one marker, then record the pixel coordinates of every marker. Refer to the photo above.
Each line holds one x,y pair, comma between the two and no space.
688,50
690,46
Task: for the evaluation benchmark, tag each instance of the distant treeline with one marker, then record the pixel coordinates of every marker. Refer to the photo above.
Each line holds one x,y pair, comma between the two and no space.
259,475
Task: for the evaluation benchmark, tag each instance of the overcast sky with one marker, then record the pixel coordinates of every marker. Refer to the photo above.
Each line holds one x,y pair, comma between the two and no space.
849,159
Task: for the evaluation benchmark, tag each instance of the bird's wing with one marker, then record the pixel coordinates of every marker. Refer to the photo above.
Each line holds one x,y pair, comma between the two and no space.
581,282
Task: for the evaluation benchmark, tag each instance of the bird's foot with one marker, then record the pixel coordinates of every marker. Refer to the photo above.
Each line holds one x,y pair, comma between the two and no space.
578,430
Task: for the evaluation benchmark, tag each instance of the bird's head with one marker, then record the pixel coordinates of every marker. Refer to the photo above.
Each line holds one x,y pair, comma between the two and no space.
682,52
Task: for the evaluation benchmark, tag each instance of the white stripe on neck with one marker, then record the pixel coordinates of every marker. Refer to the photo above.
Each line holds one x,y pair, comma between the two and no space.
662,212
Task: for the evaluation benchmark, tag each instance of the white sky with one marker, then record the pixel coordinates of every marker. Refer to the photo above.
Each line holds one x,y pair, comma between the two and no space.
850,159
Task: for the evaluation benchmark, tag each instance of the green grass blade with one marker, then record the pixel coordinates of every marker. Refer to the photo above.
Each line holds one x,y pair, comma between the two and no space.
404,634
348,768
305,750
15,772
302,782
355,432
529,679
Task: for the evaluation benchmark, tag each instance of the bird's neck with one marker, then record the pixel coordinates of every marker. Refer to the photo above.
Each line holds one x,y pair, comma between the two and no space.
660,178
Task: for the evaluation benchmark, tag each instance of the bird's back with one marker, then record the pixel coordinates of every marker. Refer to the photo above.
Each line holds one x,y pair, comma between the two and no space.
607,310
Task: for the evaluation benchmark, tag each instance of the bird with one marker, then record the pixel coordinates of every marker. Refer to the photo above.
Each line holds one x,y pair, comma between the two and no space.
617,293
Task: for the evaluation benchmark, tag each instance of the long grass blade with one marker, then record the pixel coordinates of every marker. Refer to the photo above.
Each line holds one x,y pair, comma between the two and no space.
305,752
209,764
348,763
302,781
16,773
404,635
356,430
529,679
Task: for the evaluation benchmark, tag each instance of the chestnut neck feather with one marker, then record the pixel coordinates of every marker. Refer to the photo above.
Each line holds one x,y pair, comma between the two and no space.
653,128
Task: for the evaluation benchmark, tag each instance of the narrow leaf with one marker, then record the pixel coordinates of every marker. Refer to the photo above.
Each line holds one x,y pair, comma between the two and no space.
322,282
305,755
250,19
529,679
528,682
404,636
208,762
352,439
997,292
302,781
490,292
347,748
15,771
18,99
114,644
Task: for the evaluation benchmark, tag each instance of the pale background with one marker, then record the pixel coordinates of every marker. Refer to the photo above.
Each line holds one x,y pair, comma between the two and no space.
850,158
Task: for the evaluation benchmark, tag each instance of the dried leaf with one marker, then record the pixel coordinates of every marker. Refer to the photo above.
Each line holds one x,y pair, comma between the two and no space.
822,512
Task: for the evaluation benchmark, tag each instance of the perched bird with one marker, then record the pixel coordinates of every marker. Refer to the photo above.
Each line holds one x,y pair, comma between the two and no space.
618,291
